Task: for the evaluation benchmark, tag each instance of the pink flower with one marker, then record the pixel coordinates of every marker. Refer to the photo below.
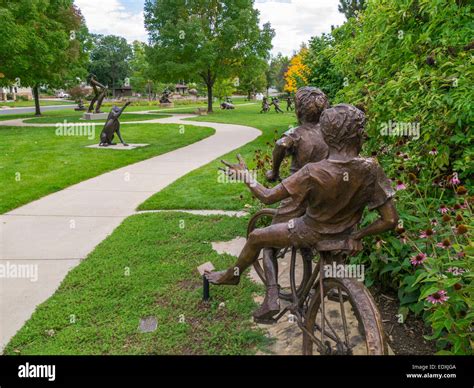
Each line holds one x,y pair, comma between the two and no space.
418,259
400,186
427,233
456,271
443,209
455,180
438,297
433,151
445,244
434,222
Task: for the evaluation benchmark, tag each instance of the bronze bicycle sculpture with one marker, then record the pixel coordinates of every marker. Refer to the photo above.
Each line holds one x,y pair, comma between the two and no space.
304,144
337,189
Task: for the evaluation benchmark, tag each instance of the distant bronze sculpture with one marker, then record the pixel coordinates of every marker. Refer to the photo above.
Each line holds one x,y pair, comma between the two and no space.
100,92
165,97
276,103
336,191
289,104
112,127
265,105
227,105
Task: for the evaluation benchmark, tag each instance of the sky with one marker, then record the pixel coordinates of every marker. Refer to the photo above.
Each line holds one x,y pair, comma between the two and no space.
294,21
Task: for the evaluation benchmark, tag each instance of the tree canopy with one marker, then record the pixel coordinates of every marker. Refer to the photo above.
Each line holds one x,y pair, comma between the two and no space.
43,43
205,40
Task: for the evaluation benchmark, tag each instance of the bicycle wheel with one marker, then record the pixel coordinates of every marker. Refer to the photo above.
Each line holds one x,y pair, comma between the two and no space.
303,262
351,319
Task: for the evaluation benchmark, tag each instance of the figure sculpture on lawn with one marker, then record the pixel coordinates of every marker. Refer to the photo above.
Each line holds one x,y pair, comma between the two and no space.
335,190
165,97
112,127
289,104
265,105
100,91
276,103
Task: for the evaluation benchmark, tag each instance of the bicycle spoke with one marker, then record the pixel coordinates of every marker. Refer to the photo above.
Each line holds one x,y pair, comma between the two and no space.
343,314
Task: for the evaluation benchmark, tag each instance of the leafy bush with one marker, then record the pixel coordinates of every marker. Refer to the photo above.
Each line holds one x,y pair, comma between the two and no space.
408,65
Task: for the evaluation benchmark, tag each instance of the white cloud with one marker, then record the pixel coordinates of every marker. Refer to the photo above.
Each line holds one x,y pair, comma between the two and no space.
112,17
296,21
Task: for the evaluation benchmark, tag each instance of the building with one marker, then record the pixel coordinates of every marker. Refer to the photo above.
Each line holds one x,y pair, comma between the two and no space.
123,91
12,92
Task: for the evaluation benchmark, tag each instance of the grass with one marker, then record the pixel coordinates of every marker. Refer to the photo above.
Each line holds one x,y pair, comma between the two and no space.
199,189
35,162
163,282
30,103
76,118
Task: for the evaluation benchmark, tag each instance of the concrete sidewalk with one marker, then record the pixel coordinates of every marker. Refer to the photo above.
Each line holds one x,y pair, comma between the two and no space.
56,232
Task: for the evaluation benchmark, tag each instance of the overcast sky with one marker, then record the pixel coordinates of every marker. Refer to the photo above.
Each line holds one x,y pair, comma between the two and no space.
294,21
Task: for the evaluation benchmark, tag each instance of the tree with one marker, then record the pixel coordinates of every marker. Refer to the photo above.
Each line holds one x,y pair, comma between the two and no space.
224,87
43,43
298,72
276,72
253,76
205,40
350,7
321,71
140,70
110,59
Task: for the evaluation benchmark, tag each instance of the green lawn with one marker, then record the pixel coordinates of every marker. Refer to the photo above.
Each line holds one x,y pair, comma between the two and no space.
199,189
76,118
163,282
30,103
35,162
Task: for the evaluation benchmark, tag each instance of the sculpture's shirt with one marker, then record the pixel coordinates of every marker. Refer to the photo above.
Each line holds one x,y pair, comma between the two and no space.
338,191
305,144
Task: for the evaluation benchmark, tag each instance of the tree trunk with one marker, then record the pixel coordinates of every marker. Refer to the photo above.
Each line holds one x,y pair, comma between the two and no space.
209,98
37,103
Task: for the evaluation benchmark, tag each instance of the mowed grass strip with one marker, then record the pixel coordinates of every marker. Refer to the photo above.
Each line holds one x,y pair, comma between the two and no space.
201,188
34,161
147,268
77,118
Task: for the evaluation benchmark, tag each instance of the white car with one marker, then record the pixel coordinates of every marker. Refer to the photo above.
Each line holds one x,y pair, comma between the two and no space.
62,95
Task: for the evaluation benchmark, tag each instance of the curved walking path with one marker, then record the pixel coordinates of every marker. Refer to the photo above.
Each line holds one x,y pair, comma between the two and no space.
54,233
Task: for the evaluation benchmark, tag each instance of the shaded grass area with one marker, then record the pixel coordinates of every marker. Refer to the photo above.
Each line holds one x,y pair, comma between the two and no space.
76,118
200,188
35,162
147,268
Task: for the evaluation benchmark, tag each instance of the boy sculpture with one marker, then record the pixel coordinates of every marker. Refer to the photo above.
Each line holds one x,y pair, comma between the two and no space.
337,191
305,144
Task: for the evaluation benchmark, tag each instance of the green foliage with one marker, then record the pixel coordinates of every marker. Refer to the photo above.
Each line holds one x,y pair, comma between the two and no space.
43,42
110,60
322,72
276,72
224,88
409,62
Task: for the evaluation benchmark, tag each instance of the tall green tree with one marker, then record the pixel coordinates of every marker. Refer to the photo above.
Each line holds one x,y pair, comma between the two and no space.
43,43
252,77
350,7
322,72
110,59
140,70
204,39
276,72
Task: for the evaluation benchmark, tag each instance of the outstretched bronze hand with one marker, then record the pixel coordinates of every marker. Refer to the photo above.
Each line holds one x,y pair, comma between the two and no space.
236,170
